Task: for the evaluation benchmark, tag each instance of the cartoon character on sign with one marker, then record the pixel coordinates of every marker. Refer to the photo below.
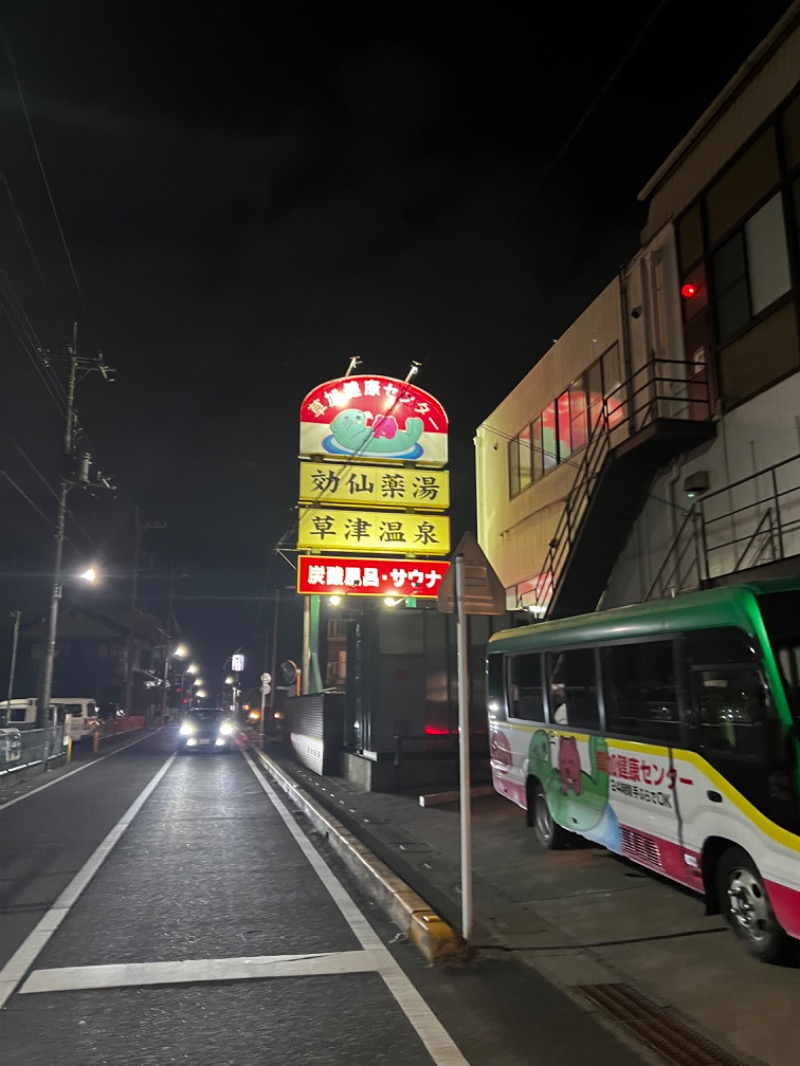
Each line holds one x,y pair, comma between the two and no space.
374,417
352,432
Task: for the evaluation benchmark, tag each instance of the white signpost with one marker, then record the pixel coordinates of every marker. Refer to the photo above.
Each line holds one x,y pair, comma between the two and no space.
266,688
470,586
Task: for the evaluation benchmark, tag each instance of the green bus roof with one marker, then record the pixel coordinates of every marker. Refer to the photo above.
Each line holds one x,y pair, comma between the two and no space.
729,605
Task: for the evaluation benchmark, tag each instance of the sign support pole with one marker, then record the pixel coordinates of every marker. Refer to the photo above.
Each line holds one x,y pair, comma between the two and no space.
463,751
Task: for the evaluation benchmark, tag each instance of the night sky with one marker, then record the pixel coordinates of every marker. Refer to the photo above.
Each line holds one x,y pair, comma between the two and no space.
251,196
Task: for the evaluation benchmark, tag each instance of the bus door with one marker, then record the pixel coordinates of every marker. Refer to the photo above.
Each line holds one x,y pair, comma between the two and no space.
643,721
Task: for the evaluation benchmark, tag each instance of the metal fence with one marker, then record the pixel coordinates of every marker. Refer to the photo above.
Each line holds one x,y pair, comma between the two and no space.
22,751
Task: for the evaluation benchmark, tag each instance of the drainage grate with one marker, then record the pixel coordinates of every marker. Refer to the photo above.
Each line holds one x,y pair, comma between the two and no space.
673,1041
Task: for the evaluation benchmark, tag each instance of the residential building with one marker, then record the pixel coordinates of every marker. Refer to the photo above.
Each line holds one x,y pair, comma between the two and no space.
655,447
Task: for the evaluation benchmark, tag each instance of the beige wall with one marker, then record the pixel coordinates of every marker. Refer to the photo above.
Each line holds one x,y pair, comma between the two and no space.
639,311
515,533
727,125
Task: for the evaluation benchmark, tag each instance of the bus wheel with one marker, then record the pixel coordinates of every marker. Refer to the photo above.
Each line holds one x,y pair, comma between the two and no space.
549,834
745,905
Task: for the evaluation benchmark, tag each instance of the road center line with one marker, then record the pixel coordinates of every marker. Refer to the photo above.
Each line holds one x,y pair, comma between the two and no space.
28,951
137,974
438,1042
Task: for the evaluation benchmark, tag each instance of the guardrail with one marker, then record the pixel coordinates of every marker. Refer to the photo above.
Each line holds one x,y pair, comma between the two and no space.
22,750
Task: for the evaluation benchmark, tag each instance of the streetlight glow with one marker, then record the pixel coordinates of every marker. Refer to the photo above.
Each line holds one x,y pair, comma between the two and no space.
90,575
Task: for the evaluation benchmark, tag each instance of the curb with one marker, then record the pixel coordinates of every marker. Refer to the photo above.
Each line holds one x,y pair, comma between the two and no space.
429,933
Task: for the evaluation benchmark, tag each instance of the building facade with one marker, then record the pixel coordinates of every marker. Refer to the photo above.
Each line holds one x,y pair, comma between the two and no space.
93,650
656,446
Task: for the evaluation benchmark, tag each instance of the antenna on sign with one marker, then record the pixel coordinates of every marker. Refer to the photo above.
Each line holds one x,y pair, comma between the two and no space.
413,371
355,361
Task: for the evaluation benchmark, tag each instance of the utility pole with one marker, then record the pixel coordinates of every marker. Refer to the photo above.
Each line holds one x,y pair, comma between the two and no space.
73,473
12,672
139,529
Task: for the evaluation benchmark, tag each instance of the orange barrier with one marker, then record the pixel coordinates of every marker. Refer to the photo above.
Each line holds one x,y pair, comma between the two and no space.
114,726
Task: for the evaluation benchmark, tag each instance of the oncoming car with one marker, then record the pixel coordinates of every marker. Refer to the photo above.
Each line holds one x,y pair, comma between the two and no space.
208,729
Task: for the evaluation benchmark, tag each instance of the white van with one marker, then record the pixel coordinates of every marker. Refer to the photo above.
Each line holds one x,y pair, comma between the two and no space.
84,714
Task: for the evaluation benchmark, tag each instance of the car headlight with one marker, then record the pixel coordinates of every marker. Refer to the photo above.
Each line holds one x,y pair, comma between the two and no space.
186,729
226,729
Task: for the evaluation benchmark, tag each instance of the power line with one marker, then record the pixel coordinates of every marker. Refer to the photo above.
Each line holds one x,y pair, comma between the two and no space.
33,466
556,159
25,496
47,187
35,259
35,358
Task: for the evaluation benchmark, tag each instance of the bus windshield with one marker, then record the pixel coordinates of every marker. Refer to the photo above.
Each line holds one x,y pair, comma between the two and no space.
780,611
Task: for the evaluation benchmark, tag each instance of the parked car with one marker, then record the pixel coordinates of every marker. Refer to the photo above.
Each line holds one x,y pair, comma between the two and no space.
209,729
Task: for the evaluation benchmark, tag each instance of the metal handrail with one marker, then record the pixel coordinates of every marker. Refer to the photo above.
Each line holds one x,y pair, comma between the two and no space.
772,526
599,445
659,582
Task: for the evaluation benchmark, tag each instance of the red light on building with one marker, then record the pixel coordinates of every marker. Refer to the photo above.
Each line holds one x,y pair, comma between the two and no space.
688,290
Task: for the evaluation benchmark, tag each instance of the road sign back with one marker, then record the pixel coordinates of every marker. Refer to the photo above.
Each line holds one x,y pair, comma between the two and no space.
483,591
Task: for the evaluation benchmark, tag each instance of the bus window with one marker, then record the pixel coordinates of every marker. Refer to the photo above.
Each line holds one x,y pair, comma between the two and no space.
730,703
727,644
639,690
496,701
780,610
573,688
525,687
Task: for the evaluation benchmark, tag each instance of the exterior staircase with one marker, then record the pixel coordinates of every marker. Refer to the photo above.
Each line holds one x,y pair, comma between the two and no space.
640,427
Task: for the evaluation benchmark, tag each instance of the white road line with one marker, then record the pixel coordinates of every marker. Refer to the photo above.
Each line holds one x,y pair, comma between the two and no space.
138,974
77,770
434,1036
28,951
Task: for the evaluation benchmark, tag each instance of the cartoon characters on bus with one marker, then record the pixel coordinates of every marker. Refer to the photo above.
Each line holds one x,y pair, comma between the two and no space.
577,793
569,766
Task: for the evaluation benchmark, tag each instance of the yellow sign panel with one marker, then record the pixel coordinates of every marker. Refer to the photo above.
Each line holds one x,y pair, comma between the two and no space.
363,485
334,529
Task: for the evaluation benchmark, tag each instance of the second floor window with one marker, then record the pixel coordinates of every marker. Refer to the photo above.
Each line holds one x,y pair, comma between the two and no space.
751,269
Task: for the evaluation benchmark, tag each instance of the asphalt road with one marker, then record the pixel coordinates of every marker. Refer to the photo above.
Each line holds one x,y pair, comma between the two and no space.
159,909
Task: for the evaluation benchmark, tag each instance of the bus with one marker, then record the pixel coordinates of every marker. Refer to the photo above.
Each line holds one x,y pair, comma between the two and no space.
21,714
666,732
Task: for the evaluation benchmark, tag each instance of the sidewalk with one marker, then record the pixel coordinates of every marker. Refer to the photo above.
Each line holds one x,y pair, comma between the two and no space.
629,946
421,844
